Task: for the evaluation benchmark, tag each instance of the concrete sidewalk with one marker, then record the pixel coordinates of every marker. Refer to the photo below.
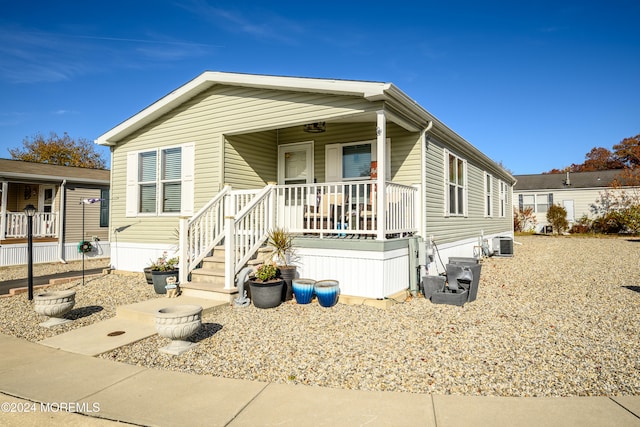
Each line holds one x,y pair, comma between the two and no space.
41,385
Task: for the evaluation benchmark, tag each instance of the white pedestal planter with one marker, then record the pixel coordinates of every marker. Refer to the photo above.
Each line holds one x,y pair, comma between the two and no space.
54,304
178,323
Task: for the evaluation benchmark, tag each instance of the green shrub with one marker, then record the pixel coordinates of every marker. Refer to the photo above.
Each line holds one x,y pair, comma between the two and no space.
557,217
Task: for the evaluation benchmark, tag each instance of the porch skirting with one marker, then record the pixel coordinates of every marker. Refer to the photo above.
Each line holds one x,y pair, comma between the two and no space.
368,271
16,254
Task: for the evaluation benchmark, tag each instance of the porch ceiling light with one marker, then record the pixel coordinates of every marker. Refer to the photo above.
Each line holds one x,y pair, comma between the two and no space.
317,127
30,210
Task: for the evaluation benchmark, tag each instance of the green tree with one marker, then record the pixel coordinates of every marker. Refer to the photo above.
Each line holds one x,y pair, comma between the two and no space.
58,150
557,217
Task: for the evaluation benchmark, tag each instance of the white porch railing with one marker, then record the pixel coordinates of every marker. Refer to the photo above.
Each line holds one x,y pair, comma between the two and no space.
45,224
345,208
242,219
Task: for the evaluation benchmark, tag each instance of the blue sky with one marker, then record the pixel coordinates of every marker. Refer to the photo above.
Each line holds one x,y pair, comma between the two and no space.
534,85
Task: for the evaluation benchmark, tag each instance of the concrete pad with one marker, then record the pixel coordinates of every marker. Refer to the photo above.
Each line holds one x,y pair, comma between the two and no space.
453,411
64,377
630,403
145,311
167,398
24,413
297,405
17,352
94,339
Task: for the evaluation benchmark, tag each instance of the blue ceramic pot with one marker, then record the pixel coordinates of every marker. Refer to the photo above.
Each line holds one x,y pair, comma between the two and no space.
327,292
303,290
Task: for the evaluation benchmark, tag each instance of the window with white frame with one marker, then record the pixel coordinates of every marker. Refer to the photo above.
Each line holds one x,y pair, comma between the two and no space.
352,160
456,179
538,202
488,195
160,181
503,199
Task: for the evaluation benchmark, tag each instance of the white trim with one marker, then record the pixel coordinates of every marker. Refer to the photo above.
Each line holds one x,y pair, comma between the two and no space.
465,186
333,159
488,195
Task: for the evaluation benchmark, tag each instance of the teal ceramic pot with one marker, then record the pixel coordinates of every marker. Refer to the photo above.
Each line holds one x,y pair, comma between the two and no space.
327,292
303,290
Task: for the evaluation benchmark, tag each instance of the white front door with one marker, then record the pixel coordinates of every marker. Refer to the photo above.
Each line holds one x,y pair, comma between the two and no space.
295,163
46,198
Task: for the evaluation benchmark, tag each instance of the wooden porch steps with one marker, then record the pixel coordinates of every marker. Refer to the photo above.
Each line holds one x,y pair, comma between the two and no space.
208,281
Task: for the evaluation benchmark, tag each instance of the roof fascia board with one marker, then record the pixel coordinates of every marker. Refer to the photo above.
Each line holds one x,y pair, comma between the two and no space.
4,176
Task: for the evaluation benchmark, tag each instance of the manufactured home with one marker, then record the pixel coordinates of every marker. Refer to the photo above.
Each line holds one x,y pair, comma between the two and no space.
361,174
577,192
62,219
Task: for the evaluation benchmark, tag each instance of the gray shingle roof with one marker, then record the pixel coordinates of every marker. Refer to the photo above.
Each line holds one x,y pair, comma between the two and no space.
15,169
557,181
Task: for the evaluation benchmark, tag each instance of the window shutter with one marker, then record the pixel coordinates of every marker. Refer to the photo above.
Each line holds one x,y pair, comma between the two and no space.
520,202
333,163
188,166
132,185
550,199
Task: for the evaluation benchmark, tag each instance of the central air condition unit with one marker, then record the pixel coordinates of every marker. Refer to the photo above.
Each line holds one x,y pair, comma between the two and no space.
503,246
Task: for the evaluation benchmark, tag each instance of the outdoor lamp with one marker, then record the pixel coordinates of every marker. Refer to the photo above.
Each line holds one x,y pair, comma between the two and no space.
30,211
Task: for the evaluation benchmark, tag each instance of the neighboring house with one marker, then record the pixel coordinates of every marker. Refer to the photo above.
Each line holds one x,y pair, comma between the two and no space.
56,192
357,170
575,191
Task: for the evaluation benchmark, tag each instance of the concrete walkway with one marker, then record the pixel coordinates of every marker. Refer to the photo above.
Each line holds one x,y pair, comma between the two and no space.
41,385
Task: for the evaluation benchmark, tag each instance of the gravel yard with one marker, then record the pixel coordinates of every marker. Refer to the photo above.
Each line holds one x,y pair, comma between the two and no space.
560,318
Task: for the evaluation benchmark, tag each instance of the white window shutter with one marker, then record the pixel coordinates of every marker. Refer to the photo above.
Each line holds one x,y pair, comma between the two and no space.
333,163
132,185
188,166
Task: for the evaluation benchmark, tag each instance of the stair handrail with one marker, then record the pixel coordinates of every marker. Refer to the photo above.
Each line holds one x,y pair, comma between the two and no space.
205,230
246,232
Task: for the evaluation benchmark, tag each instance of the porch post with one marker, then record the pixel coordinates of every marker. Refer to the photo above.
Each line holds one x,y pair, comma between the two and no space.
381,194
3,210
229,246
184,250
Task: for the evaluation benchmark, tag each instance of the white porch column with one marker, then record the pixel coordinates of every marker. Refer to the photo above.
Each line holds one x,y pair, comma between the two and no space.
3,210
229,243
184,249
381,199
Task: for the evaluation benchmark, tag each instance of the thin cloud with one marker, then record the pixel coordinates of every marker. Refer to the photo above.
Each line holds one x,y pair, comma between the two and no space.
33,56
263,25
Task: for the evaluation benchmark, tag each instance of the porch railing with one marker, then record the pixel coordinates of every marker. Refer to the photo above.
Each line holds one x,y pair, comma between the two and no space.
45,224
345,208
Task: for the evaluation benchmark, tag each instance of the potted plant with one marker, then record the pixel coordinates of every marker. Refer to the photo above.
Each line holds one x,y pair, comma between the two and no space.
282,243
266,288
161,269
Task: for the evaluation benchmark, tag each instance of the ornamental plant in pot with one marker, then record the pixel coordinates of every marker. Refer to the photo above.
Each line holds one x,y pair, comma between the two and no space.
266,288
282,243
161,269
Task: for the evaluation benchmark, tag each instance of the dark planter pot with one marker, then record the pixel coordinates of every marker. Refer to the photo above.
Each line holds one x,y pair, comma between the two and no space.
287,273
160,279
476,269
327,292
303,290
148,275
266,294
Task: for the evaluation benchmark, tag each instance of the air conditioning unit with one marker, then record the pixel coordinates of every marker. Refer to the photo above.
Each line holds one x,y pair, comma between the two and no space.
503,246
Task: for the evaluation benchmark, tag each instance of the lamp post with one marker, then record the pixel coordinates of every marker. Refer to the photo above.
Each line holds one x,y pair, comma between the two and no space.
30,211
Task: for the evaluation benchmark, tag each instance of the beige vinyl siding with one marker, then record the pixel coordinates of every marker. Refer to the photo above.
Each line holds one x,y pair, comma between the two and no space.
447,229
235,117
583,199
73,216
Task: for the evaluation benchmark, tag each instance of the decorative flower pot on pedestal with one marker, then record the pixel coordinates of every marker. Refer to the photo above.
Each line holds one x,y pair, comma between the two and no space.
160,279
178,323
54,304
303,290
327,292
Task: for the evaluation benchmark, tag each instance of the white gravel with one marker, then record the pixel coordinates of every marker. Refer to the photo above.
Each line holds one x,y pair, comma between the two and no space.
560,318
